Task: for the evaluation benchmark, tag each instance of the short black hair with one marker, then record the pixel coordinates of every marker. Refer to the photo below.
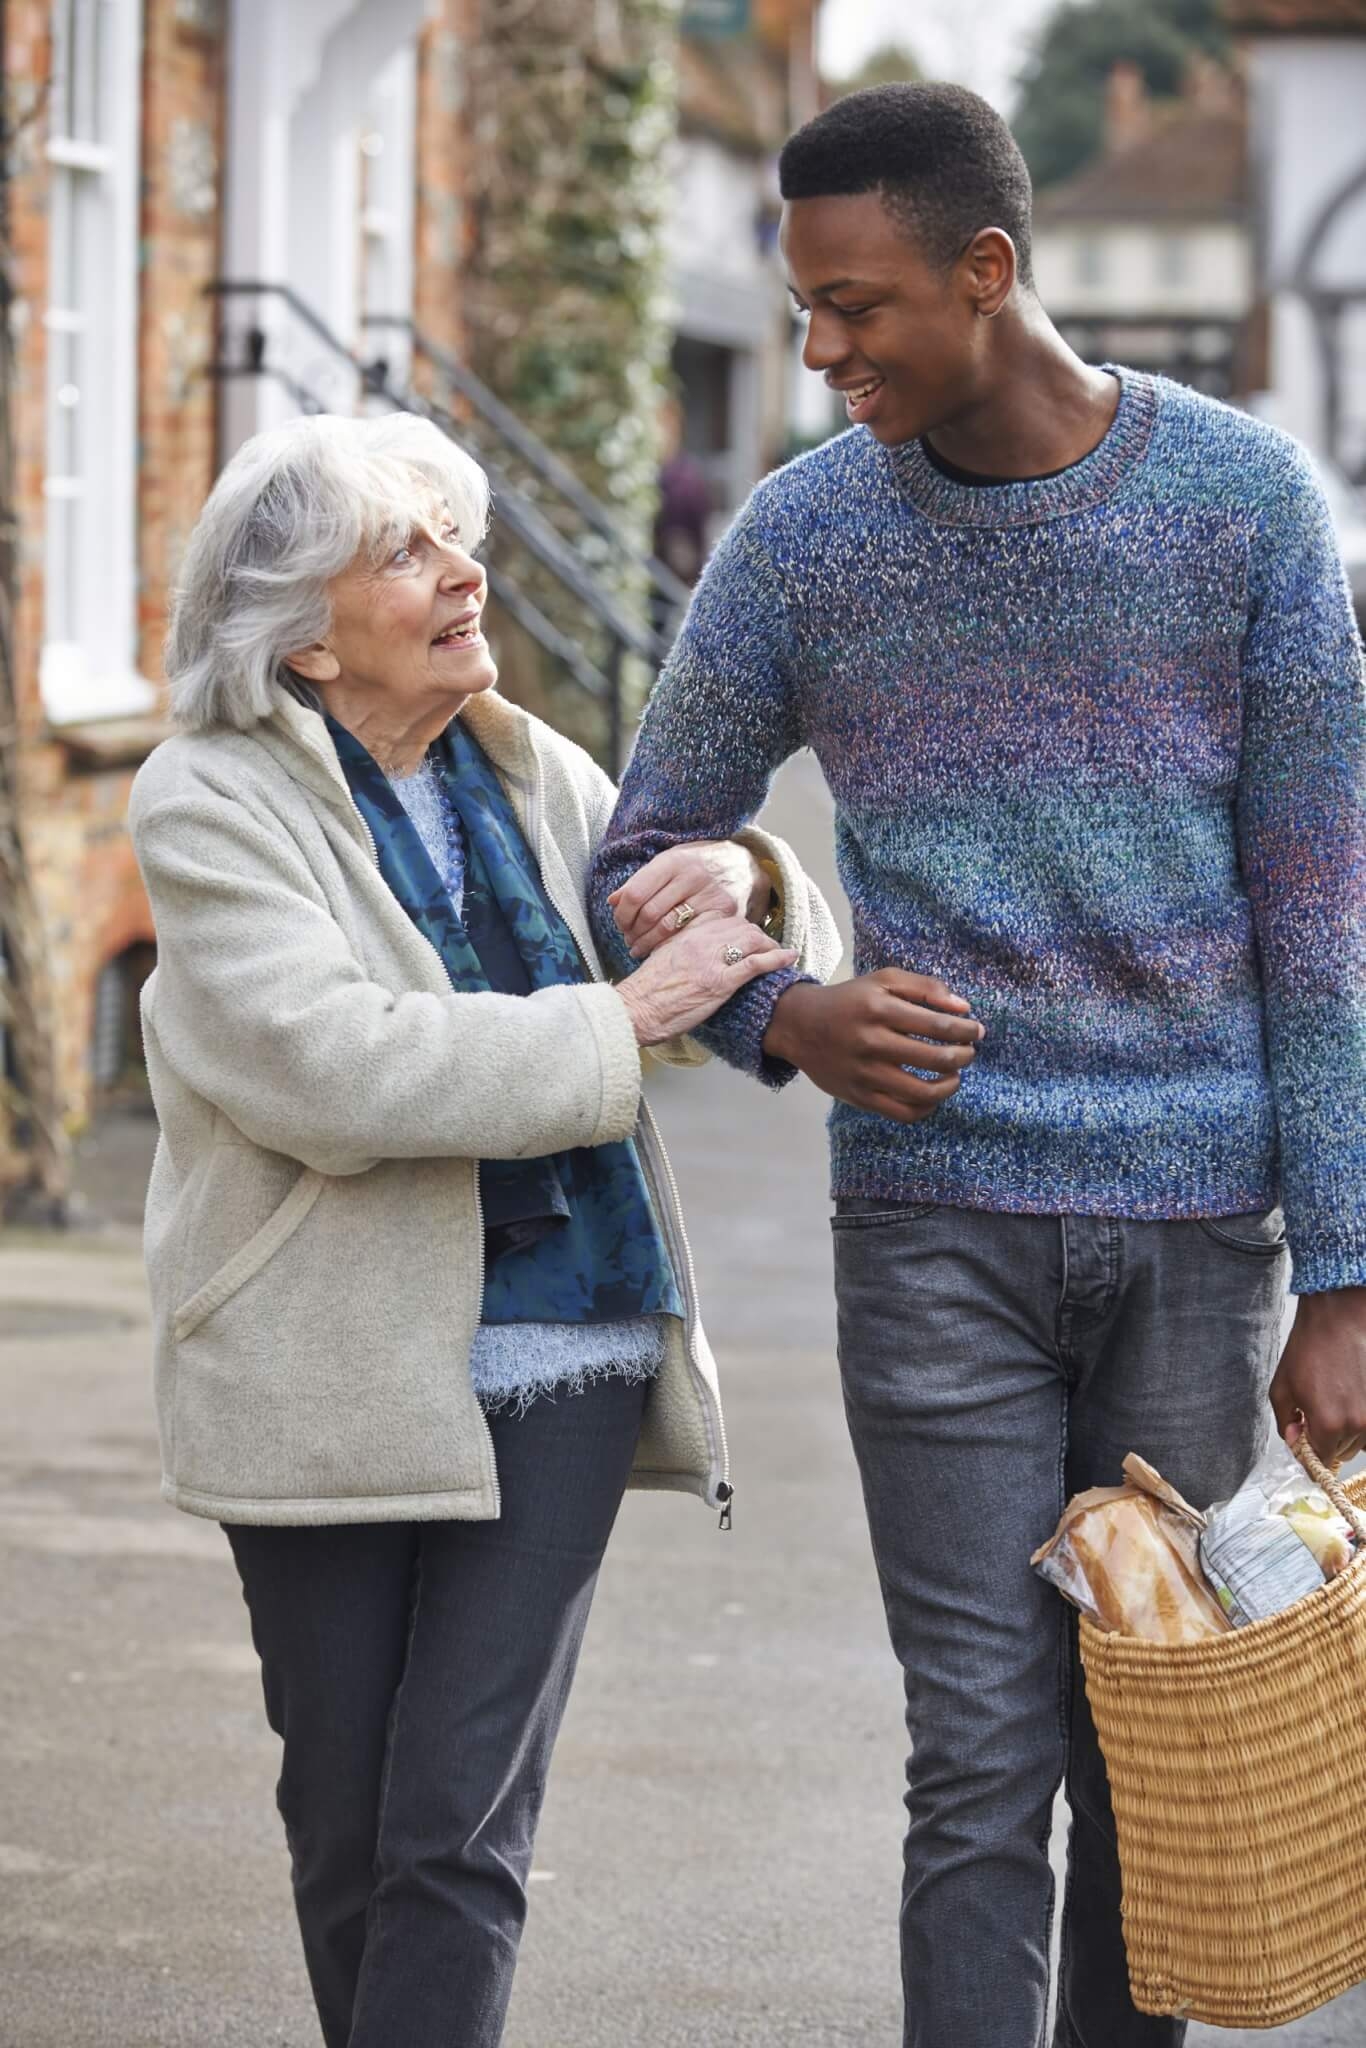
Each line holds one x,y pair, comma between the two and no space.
942,161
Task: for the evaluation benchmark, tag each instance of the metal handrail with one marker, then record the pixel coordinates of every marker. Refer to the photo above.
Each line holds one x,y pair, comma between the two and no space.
534,453
517,512
518,515
584,673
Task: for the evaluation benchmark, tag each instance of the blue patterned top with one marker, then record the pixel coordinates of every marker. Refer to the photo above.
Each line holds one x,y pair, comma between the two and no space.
1097,744
594,1278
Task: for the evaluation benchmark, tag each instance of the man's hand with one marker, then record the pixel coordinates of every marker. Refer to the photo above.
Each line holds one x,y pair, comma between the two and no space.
1320,1386
709,877
856,1039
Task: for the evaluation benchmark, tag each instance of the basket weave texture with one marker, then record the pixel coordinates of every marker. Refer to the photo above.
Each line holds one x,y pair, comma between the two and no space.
1238,1774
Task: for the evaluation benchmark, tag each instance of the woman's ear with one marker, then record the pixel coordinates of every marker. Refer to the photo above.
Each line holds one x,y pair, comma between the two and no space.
316,664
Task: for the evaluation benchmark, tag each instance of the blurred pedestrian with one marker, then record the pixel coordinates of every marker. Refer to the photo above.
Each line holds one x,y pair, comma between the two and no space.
684,508
680,538
1074,648
423,1299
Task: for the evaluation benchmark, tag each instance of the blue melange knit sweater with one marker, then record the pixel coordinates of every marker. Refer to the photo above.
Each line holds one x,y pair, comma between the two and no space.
1097,744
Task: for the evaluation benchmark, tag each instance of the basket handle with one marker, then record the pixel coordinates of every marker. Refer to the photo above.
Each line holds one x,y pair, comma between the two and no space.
1328,1481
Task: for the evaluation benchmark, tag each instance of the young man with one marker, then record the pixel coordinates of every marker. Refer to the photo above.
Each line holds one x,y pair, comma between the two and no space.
1074,649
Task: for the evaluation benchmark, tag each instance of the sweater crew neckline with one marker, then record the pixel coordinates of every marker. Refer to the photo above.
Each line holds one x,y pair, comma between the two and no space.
1029,500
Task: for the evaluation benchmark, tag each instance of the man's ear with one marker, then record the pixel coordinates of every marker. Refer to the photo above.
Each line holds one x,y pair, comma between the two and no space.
991,267
316,664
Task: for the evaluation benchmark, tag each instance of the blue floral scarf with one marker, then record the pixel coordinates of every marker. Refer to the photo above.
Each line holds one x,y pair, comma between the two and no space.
571,1238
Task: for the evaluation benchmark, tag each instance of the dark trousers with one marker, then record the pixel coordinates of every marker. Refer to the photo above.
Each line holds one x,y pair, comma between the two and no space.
416,1674
993,1366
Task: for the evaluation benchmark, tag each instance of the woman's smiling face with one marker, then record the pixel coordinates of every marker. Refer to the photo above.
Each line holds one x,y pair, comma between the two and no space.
408,629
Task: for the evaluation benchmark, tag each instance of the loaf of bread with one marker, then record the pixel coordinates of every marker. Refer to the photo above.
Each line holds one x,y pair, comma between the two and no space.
1142,1582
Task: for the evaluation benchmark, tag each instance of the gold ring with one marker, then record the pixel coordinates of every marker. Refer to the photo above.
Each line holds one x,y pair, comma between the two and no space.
683,915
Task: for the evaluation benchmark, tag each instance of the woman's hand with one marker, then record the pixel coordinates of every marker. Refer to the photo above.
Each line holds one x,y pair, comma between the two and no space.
684,983
711,877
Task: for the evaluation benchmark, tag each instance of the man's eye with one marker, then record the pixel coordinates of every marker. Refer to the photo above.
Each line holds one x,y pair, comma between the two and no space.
851,312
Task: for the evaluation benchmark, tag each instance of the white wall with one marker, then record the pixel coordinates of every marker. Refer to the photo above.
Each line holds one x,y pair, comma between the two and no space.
1131,276
726,290
1309,137
717,193
300,84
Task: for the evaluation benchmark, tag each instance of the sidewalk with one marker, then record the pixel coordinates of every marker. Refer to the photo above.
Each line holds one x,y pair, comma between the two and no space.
719,1861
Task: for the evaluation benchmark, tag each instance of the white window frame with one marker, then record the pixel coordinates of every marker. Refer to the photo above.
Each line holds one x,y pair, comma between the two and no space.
389,145
88,668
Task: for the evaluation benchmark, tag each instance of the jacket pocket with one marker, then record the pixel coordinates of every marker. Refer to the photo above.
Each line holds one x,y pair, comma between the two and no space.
1260,1233
259,1248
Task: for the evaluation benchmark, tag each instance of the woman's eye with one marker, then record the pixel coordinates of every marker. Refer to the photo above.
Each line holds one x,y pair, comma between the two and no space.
401,557
851,312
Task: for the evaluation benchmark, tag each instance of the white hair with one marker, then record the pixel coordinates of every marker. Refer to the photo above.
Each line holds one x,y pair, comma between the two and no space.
294,507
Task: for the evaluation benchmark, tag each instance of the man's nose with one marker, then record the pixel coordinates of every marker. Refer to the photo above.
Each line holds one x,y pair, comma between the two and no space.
824,346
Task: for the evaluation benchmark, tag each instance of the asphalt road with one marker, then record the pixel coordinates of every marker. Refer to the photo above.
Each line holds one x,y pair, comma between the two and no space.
718,1862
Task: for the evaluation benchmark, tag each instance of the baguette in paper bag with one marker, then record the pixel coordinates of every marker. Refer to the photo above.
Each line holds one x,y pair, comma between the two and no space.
1129,1558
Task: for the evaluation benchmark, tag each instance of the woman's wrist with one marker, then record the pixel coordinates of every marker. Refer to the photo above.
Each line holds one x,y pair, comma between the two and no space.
636,1010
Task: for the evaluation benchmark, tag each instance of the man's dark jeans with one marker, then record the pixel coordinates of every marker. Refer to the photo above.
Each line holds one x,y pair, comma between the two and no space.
417,1673
993,1366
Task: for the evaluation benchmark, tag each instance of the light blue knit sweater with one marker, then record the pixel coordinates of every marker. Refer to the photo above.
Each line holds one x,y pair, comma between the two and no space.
1098,752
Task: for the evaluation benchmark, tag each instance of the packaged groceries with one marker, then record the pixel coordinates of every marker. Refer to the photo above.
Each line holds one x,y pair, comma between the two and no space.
1140,1560
1277,1539
1129,1557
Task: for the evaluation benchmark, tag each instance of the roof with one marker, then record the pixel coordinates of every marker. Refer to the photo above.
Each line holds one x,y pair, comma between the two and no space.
1193,167
1296,17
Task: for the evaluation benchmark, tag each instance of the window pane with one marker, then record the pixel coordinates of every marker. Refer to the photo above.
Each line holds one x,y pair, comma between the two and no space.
79,59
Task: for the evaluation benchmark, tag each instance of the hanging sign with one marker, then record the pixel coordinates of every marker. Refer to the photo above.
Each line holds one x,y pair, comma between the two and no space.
715,17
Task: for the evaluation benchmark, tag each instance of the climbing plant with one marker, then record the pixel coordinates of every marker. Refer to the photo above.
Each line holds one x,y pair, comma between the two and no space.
573,106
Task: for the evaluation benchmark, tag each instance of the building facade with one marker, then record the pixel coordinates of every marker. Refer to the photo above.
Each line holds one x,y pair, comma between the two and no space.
1306,66
1145,256
160,145
746,79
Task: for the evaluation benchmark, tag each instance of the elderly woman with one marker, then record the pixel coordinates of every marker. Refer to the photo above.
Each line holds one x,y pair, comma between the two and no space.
408,1200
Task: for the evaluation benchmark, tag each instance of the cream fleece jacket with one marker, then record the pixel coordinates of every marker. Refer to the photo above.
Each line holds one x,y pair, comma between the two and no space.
314,1241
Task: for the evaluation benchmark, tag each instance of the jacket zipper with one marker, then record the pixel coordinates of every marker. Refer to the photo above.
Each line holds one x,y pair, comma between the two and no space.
654,1147
716,1422
478,1202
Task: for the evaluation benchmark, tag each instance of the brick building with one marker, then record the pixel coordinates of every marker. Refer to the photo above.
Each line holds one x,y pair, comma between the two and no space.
159,144
349,150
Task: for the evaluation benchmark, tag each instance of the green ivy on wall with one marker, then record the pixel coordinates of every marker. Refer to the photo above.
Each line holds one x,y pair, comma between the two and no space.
574,105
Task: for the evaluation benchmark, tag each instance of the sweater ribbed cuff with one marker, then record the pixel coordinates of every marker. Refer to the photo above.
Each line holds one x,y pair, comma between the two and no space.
736,1032
1324,1264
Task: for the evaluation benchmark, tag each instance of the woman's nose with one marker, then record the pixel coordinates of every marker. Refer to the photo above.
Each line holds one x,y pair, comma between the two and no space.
461,571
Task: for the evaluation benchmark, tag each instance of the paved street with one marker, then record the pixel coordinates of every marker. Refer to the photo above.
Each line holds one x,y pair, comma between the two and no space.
719,1857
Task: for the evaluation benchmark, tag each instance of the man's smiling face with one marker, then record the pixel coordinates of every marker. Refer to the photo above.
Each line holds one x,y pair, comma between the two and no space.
898,337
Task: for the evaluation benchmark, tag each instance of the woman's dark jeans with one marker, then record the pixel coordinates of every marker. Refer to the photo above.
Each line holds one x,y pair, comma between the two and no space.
416,1673
992,1366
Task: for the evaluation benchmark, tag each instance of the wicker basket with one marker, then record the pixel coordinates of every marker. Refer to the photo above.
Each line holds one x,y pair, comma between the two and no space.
1238,1773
